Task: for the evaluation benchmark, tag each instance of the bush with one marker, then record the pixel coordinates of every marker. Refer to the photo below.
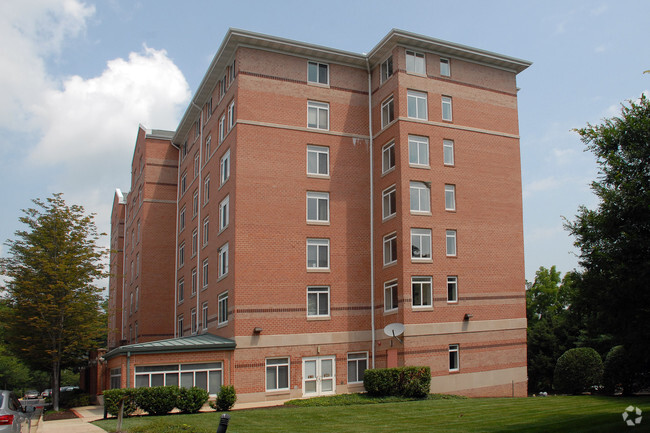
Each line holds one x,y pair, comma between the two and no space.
578,370
191,400
225,399
157,400
112,398
412,382
76,398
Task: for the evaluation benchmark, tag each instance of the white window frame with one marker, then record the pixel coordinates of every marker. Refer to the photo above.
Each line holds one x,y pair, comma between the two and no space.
195,203
390,248
418,147
447,109
195,241
276,364
386,69
222,128
388,157
206,230
194,321
316,67
445,67
181,256
206,189
454,357
391,296
183,184
195,282
205,273
417,104
354,358
197,163
422,192
416,63
451,243
204,315
224,167
223,309
181,290
450,197
315,108
389,202
387,111
224,213
452,289
423,284
318,295
179,325
315,202
448,152
421,239
316,245
181,220
223,260
315,153
231,115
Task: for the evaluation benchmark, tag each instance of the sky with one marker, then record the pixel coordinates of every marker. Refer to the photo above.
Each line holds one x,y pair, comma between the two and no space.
78,77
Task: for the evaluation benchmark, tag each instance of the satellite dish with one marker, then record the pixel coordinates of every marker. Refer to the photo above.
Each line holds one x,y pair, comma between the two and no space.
394,329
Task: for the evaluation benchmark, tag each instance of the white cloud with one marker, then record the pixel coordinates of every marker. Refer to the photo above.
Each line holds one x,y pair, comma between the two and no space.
542,185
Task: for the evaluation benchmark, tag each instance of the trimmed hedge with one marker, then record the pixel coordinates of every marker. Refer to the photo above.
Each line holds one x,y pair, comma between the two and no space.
157,400
112,398
191,400
578,370
412,382
225,399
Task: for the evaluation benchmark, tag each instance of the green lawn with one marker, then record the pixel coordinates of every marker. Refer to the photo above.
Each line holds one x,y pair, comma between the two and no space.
539,414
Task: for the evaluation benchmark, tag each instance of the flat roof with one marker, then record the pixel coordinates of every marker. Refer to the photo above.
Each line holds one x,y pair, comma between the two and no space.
194,343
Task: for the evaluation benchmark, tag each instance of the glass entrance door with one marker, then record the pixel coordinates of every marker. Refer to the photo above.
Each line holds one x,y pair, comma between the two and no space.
319,375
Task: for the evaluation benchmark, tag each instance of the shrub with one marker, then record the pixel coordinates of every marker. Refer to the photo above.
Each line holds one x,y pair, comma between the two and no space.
191,400
113,397
225,399
577,370
401,381
617,372
74,398
157,400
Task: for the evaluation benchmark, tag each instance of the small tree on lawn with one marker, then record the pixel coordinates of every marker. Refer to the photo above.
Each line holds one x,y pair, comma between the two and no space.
53,316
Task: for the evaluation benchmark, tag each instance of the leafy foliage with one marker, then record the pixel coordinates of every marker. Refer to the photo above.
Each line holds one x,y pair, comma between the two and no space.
226,399
191,400
53,316
157,400
614,239
114,397
401,381
577,370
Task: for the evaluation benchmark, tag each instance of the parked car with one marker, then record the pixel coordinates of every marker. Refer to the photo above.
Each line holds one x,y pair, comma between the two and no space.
46,393
32,393
13,418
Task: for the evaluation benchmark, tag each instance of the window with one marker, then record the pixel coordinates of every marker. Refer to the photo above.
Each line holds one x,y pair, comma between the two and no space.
387,112
317,73
390,249
180,325
207,376
224,214
193,320
208,109
205,273
231,115
197,164
421,244
418,151
277,374
445,69
116,378
387,69
183,183
419,197
204,315
318,207
206,230
195,241
231,71
451,242
208,148
390,295
318,115
318,301
388,203
222,128
223,260
195,203
181,290
452,289
137,299
223,308
448,152
206,189
454,357
181,220
421,291
415,62
136,331
357,365
194,281
138,231
222,88
137,265
181,254
417,104
140,196
225,167
446,108
388,157
450,197
318,252
318,160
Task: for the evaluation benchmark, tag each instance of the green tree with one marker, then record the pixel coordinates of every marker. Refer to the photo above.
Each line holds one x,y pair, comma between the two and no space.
614,239
54,314
578,370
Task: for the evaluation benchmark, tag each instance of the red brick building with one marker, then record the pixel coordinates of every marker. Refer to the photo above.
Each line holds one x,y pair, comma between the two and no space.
309,198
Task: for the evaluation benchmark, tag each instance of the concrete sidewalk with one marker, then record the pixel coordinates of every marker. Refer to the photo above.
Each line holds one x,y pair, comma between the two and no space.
86,414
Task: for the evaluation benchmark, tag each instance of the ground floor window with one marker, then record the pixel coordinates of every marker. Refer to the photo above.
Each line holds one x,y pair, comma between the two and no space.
277,374
454,357
357,365
116,378
208,376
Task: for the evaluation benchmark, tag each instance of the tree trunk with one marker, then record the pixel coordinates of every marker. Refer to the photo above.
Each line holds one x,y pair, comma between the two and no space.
56,384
